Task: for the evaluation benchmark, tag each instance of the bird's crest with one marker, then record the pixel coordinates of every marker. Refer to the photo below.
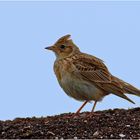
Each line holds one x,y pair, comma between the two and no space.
63,38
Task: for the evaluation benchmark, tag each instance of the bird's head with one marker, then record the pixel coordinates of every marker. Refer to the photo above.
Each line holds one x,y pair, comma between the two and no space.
64,47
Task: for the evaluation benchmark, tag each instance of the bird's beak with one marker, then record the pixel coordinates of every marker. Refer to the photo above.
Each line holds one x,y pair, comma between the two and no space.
49,48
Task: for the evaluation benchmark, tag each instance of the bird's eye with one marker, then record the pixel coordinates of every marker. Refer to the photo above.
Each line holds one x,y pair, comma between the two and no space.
62,46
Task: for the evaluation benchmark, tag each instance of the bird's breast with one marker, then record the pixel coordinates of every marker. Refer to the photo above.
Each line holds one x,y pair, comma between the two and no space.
61,68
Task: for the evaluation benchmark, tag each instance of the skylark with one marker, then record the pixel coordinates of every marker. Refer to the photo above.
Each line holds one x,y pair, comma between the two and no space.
85,77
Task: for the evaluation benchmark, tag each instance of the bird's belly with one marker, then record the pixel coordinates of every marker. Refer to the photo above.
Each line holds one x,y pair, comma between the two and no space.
81,90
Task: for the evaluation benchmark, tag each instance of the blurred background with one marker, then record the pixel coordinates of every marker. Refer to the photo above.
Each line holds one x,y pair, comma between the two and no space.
28,86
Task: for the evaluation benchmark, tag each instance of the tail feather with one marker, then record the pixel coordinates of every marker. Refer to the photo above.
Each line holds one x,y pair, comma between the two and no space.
124,97
128,88
131,89
124,87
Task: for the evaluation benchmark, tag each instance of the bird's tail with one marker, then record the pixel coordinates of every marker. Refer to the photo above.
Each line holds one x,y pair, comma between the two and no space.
128,88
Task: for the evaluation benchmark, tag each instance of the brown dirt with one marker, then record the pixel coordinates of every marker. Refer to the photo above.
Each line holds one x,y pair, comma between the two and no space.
114,124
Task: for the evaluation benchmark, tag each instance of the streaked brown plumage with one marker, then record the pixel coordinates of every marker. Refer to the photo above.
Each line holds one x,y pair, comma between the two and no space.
85,77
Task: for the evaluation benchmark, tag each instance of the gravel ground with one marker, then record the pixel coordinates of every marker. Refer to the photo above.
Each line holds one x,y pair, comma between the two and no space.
108,124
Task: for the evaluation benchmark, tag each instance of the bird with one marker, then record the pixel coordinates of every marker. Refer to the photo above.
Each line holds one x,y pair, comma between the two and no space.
85,77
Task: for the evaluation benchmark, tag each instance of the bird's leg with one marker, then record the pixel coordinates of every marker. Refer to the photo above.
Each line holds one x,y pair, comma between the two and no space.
78,111
92,111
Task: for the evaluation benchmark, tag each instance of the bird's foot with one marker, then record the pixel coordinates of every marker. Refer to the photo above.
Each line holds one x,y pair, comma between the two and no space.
92,114
75,115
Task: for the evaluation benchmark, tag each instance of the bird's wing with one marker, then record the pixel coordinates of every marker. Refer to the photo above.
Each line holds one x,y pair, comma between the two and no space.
92,69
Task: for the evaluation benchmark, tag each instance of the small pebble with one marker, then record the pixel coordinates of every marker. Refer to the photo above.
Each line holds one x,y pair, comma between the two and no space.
127,125
51,133
96,133
122,135
111,135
